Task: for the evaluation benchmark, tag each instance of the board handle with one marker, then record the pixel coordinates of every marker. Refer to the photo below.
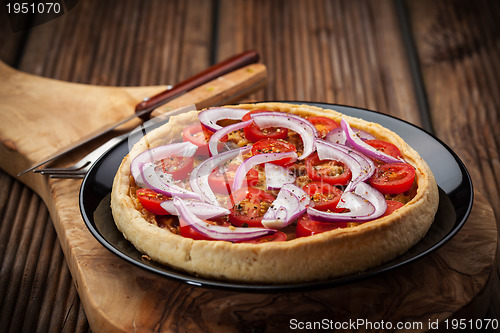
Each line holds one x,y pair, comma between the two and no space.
209,74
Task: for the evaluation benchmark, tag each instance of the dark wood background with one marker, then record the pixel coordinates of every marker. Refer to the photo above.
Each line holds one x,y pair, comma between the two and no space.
433,63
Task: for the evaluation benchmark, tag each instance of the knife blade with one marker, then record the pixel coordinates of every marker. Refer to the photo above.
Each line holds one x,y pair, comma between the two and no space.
144,109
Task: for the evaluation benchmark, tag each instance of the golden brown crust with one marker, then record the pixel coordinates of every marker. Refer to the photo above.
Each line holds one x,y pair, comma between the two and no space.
330,254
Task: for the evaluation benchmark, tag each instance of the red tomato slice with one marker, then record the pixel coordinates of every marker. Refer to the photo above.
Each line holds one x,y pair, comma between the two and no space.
188,232
196,136
178,166
307,227
221,182
323,125
276,237
392,205
248,206
151,201
393,178
329,171
324,196
269,146
385,147
254,133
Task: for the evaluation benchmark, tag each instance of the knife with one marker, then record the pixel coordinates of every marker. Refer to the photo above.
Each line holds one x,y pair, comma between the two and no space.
144,109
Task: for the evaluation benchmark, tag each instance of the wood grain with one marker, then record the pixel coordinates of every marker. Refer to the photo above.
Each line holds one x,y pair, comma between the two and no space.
459,55
102,283
337,51
345,52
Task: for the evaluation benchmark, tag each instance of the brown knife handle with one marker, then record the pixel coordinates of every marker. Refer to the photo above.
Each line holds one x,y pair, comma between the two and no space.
209,74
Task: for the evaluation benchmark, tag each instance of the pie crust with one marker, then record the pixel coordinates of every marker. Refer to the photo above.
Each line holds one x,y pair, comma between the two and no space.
331,254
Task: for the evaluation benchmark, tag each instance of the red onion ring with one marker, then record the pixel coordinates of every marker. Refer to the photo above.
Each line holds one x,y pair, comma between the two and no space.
153,180
201,209
365,204
219,134
199,176
277,176
354,141
249,163
302,126
210,117
288,206
184,149
376,198
360,210
328,151
361,171
337,135
231,234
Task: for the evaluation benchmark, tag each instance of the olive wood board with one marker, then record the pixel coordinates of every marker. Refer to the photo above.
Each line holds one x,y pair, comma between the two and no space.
40,115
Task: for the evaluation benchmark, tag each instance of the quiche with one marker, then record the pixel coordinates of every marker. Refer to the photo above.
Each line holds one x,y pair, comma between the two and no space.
272,193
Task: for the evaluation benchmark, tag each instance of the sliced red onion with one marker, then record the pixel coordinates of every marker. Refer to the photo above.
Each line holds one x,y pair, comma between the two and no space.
249,163
376,198
213,143
161,183
201,209
302,126
354,141
365,204
329,151
337,135
360,210
231,234
289,205
361,171
210,117
184,149
277,176
199,176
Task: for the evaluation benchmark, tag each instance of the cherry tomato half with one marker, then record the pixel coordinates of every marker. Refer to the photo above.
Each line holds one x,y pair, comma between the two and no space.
328,171
392,205
220,182
195,134
323,125
248,206
188,232
307,227
269,146
254,133
178,166
393,178
385,147
278,236
151,201
324,196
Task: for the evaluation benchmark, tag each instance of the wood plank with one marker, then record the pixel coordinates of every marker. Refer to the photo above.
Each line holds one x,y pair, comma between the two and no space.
127,43
107,52
346,52
12,41
461,71
62,196
299,43
31,264
459,54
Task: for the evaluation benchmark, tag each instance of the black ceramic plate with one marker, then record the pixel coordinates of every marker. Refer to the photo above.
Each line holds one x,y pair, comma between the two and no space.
455,195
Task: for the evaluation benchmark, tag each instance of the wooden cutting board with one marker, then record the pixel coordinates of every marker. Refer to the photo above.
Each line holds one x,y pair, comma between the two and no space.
39,115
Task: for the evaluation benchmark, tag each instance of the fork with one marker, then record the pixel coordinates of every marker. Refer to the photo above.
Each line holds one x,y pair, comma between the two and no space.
80,168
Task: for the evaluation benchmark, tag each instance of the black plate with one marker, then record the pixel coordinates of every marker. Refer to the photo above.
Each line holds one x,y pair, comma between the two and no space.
455,195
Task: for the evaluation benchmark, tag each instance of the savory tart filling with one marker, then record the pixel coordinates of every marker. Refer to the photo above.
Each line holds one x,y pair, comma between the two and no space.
325,183
271,173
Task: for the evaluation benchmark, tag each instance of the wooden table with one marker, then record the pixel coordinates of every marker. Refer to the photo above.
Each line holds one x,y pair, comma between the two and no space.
432,63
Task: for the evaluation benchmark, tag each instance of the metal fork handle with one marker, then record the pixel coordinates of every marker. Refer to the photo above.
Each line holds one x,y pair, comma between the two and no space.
80,168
